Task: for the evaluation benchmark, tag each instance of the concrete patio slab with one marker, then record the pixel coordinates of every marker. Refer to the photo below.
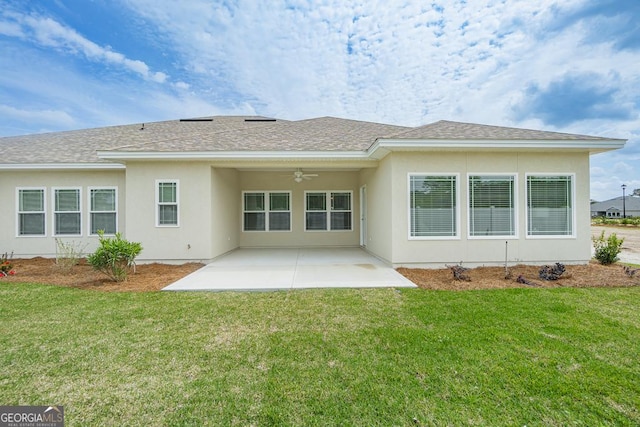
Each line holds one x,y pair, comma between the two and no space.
296,268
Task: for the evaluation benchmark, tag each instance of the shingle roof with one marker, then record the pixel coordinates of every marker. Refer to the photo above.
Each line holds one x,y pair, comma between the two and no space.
242,133
469,131
321,134
632,203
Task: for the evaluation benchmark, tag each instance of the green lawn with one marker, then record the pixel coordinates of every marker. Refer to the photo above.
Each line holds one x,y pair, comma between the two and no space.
535,357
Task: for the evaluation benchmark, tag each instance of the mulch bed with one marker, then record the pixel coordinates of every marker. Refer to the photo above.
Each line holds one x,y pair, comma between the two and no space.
154,277
148,277
576,276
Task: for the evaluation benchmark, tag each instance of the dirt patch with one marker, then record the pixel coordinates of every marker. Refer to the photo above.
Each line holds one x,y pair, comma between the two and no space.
148,277
576,276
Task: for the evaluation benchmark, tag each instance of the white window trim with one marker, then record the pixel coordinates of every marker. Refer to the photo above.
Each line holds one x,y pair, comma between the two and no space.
157,203
18,212
573,206
90,211
266,211
516,229
458,209
327,194
54,211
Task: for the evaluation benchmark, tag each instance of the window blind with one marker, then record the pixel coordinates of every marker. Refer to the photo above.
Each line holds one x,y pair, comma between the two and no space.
491,206
433,206
549,206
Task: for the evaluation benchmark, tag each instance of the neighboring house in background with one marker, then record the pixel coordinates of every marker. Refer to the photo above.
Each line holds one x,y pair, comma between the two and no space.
613,208
195,189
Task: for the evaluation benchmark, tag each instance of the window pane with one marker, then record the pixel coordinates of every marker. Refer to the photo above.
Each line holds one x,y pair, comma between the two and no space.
103,221
254,221
279,201
31,224
491,202
168,215
549,206
341,201
103,200
167,192
31,200
67,223
67,200
280,221
316,221
316,201
341,220
433,206
254,201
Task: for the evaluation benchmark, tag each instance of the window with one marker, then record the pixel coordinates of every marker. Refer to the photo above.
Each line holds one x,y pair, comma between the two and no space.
328,210
102,210
549,205
167,200
433,206
279,212
266,211
66,212
491,205
31,213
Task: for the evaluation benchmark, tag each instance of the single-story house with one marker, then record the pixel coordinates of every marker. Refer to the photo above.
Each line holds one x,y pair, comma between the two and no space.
614,208
195,189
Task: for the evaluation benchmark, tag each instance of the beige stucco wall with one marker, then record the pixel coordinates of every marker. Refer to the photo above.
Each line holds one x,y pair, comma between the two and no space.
491,250
298,237
225,210
191,239
210,205
46,246
380,208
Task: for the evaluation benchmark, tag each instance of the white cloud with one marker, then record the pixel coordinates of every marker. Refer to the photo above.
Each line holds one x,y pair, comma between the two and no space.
50,33
10,29
182,85
46,118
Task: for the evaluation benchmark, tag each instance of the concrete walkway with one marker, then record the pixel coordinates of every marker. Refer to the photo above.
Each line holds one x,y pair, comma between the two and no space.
277,269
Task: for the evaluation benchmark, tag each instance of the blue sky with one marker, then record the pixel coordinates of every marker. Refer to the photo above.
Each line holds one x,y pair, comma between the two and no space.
562,65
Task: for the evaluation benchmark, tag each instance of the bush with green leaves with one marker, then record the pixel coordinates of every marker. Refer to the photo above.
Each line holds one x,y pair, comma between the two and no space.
607,249
115,256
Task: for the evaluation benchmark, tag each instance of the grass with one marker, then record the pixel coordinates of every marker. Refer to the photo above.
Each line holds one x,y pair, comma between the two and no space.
371,357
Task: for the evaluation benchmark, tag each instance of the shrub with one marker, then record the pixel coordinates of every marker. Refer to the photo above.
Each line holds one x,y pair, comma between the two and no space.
115,256
552,273
68,254
607,249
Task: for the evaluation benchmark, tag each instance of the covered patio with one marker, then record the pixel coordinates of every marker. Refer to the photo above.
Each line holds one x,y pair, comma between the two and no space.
258,269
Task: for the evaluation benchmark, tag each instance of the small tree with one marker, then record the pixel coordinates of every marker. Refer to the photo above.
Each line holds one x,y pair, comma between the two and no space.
607,249
115,256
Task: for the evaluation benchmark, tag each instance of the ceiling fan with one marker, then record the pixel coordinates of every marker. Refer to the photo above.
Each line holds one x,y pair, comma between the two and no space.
299,176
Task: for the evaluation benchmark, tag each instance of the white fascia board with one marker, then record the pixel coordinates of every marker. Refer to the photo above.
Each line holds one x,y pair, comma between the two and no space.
383,146
61,166
234,155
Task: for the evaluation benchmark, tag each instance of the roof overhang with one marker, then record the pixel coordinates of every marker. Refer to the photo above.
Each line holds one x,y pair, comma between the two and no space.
234,155
61,166
379,149
383,146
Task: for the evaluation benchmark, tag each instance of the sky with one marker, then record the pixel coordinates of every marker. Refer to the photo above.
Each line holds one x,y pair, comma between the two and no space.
558,65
